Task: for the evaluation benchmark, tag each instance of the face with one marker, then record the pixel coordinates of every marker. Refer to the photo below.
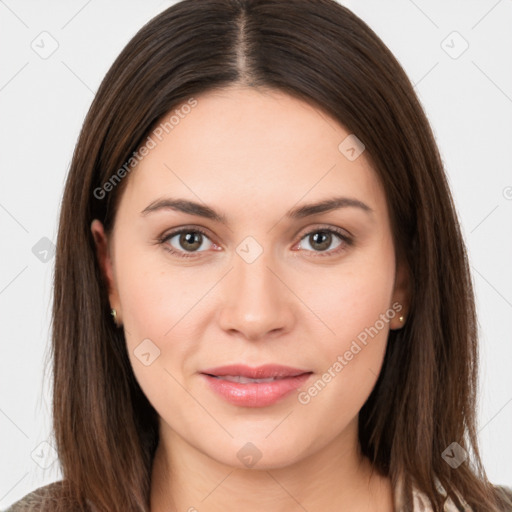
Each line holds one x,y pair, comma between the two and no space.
261,284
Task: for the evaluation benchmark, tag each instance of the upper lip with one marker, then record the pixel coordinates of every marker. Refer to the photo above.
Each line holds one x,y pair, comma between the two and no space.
260,372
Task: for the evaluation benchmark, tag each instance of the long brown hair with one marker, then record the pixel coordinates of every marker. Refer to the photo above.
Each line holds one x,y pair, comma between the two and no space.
316,50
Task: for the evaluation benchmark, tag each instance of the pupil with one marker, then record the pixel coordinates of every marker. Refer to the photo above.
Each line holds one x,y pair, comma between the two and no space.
191,238
327,239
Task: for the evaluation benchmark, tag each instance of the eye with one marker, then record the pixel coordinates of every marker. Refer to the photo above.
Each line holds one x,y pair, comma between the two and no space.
321,239
187,240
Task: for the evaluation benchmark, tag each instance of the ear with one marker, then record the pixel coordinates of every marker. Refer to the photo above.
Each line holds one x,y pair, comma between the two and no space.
401,297
104,256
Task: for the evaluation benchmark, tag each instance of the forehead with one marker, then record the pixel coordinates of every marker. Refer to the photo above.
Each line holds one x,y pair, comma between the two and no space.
252,149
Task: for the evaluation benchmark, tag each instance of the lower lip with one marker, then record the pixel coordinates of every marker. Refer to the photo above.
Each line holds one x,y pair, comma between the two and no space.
255,394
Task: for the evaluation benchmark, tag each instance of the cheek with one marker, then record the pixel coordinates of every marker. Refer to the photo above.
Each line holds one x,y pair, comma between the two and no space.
145,297
162,310
357,307
155,317
354,296
154,295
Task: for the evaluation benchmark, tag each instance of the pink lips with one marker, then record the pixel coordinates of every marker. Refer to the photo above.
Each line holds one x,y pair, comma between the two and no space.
254,394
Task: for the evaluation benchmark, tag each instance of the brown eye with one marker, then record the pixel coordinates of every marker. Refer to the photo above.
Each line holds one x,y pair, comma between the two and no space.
190,241
320,240
185,241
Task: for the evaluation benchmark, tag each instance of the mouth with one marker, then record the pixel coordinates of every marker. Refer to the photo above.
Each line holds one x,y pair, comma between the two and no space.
247,380
255,387
246,374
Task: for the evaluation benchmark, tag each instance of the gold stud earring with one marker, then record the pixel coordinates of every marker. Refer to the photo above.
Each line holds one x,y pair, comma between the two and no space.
401,319
114,313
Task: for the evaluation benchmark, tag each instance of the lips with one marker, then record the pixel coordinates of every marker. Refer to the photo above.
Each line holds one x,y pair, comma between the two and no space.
277,383
244,380
262,386
265,373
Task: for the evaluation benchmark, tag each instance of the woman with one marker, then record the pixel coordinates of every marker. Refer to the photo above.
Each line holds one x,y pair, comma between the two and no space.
208,354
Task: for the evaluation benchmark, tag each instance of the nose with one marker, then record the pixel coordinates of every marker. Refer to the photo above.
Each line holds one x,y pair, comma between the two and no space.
256,301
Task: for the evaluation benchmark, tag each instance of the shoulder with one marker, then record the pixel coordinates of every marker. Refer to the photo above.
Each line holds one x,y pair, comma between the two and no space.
422,503
504,493
48,497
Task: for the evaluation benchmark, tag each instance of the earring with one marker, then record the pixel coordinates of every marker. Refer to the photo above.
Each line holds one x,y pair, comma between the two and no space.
113,313
401,319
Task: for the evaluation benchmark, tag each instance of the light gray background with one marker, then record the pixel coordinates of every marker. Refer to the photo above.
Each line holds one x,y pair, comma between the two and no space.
43,101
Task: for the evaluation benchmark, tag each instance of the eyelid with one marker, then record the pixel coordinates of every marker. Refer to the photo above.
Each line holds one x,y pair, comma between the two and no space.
326,227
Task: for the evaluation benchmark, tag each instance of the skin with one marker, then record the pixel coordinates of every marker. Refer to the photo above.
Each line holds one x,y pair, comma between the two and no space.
252,156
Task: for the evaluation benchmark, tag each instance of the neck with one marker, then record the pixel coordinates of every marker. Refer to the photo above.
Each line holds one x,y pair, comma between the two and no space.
337,477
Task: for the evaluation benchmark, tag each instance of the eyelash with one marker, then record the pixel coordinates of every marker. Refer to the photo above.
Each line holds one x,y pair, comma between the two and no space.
346,241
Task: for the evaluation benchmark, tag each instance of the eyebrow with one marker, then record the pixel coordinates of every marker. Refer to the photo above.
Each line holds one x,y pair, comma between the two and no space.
300,212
